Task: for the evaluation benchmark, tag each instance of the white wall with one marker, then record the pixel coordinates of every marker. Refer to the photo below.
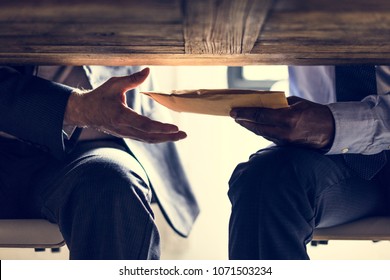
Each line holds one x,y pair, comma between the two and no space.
211,151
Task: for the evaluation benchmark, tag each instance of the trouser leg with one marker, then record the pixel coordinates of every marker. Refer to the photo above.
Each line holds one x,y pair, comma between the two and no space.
102,206
281,194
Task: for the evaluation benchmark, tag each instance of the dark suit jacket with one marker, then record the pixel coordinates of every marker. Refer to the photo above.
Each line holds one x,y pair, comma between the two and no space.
32,109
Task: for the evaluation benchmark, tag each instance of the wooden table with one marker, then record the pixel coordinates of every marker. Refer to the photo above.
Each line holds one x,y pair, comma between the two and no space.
189,32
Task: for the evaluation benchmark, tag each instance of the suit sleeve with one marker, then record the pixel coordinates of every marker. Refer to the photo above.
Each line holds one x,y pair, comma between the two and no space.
32,109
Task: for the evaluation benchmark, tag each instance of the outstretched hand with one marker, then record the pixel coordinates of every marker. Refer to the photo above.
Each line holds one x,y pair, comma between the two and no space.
303,123
105,109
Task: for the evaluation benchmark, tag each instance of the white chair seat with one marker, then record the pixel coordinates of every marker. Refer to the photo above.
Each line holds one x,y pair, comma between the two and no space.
373,228
30,233
39,233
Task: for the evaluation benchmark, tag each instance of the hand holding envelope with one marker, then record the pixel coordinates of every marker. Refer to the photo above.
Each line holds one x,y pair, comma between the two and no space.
218,101
292,121
303,123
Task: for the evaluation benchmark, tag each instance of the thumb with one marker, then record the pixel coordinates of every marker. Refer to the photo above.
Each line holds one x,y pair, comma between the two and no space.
126,83
294,99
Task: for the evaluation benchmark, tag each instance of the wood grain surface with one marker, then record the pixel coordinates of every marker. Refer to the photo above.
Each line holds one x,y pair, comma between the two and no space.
202,32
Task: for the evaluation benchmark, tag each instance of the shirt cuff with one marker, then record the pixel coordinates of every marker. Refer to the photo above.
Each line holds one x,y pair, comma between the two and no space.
354,125
68,131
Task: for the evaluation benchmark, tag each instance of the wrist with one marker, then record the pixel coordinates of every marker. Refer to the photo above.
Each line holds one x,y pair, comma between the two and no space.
75,115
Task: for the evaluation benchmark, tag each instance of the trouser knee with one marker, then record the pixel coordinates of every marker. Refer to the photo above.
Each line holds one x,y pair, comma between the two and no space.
107,181
262,172
279,173
100,181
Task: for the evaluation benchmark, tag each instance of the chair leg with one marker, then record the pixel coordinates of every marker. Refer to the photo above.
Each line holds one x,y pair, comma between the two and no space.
53,250
318,242
39,249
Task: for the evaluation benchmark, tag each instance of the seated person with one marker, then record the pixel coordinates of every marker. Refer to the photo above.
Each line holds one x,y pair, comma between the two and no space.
329,164
74,150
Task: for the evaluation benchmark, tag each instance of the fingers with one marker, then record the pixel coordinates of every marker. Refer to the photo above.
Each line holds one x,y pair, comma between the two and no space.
272,124
161,138
129,124
105,109
303,123
146,136
269,132
129,118
135,79
261,115
157,137
126,83
294,99
110,113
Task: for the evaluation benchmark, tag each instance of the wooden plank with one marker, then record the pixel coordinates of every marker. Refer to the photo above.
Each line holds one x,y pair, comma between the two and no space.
223,26
21,37
139,58
81,28
316,31
216,32
108,11
331,6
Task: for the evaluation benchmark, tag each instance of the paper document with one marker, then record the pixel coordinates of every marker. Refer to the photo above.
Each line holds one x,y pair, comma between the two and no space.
218,101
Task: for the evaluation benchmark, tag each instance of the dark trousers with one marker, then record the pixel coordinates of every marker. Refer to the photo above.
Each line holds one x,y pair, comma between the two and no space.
99,197
282,193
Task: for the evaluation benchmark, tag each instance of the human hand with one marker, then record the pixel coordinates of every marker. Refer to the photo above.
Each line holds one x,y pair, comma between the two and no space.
105,109
303,123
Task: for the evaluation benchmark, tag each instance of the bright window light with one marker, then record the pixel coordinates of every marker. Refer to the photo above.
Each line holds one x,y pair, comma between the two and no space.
255,73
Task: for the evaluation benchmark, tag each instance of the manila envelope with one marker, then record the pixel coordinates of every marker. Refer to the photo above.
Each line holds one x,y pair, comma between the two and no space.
218,101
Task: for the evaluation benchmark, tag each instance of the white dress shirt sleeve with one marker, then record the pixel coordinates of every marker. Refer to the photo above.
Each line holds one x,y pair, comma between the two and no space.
360,127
